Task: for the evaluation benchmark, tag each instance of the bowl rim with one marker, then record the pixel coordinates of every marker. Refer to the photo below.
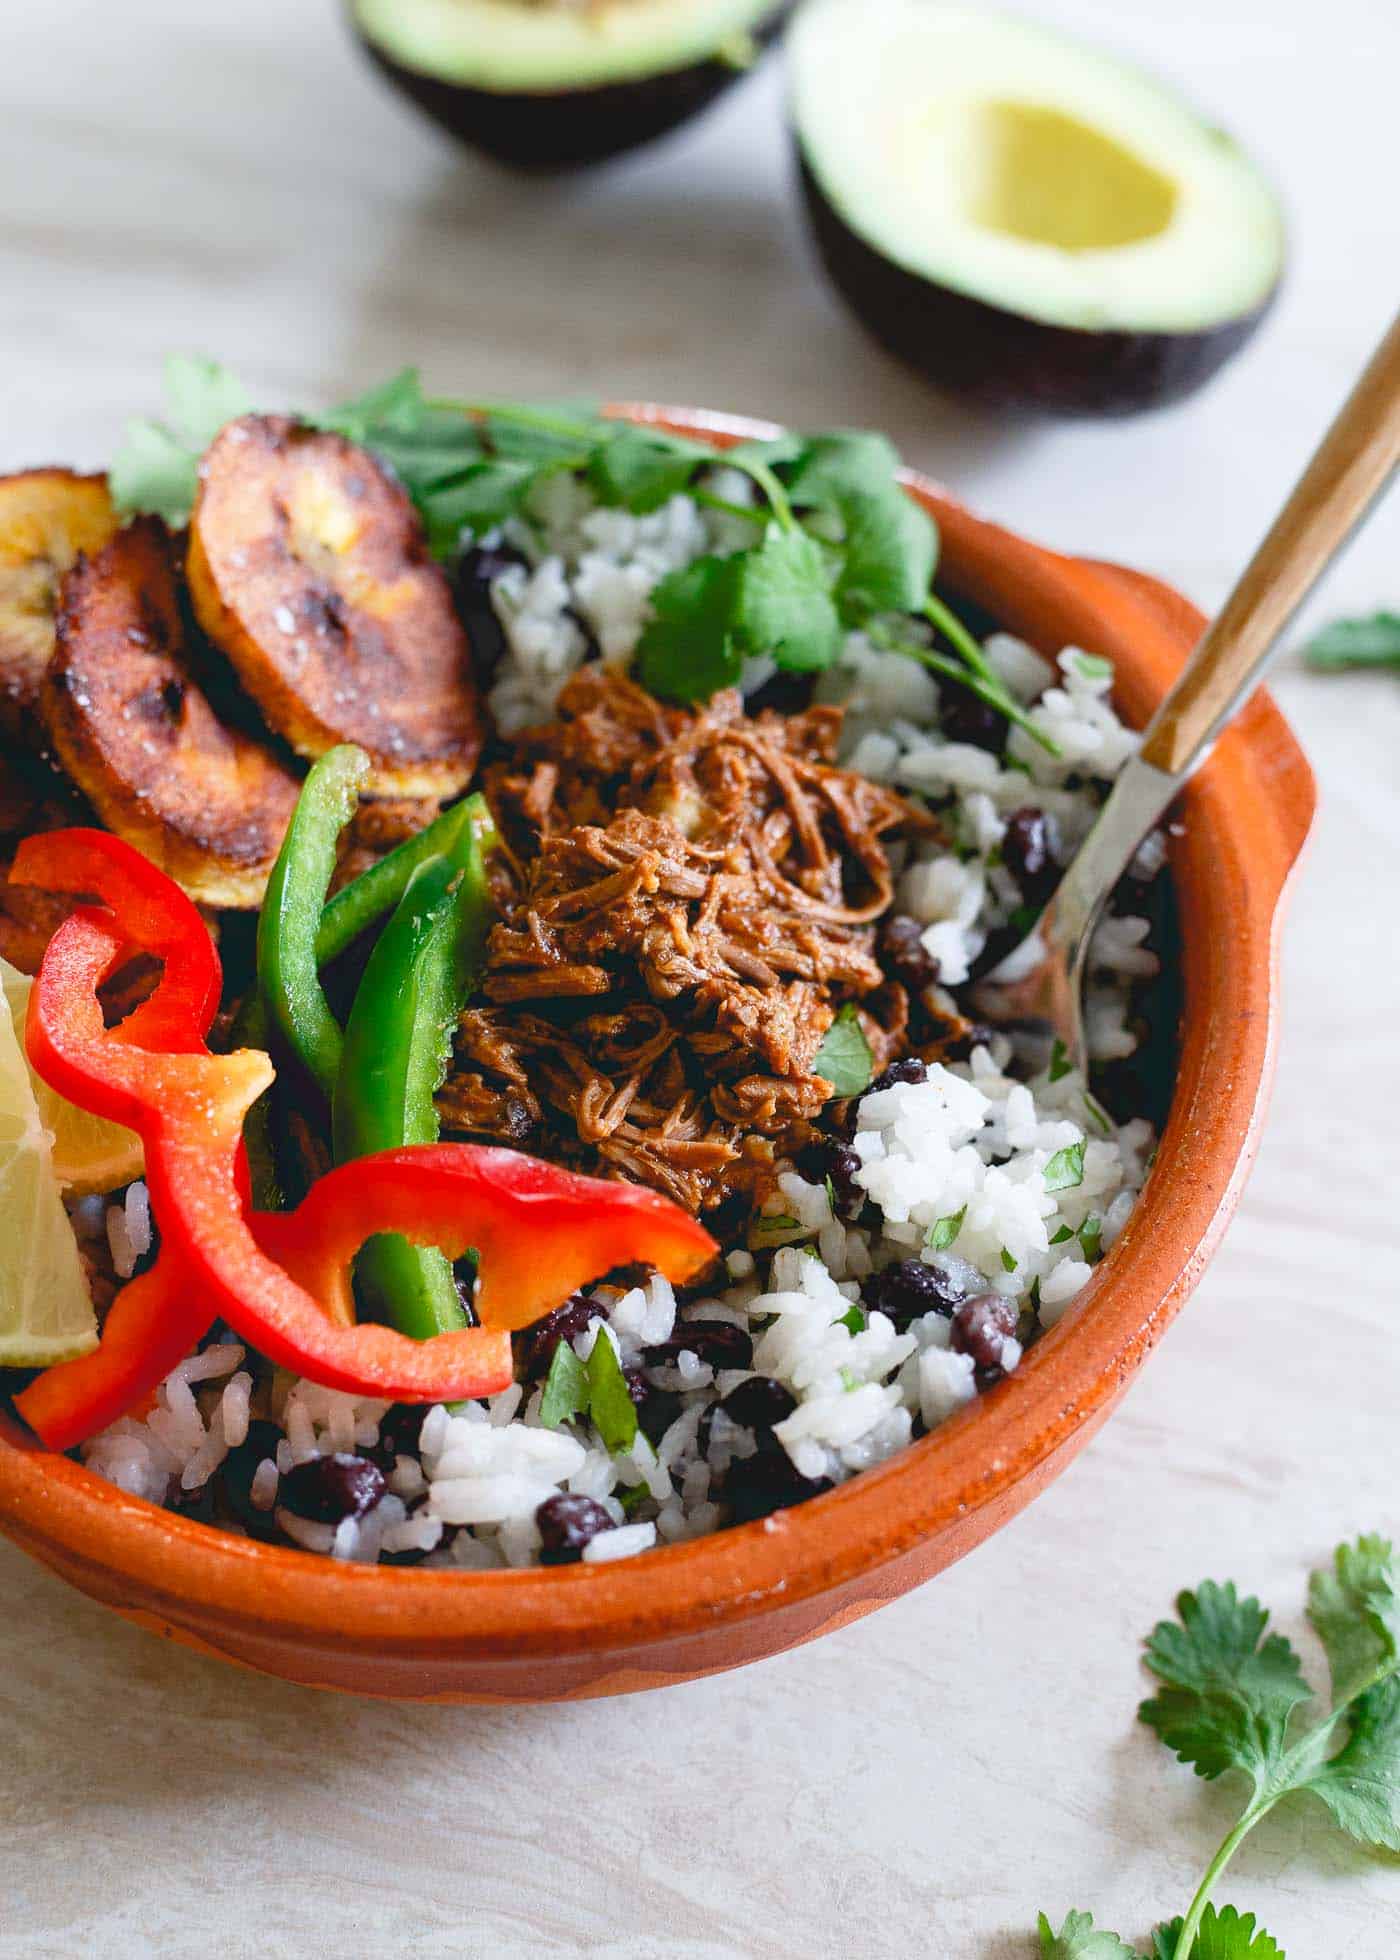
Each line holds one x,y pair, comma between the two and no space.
1246,815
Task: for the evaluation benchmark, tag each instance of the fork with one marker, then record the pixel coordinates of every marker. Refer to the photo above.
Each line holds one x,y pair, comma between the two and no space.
1039,985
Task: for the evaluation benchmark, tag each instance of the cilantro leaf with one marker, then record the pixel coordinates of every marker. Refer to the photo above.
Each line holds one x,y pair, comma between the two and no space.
854,1319
1059,1061
1223,1935
565,1388
1091,666
1091,1236
1058,1238
1356,1614
844,1058
775,451
1228,1692
889,553
484,495
203,396
156,469
153,471
610,1405
689,650
1077,1940
423,444
784,606
1065,1170
941,1234
827,469
1360,1785
1373,642
642,469
1009,1261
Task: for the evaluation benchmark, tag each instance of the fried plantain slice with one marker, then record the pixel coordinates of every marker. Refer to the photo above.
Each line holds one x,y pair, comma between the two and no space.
46,518
308,567
135,731
33,798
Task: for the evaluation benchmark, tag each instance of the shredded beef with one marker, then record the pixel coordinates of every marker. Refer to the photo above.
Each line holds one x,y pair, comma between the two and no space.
692,896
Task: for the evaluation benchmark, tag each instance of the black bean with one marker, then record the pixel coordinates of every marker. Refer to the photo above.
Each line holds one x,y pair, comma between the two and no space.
240,1466
400,1432
759,1403
756,1486
1026,853
476,568
980,1327
565,1323
718,1342
567,1523
965,718
900,946
657,1412
909,1068
909,1290
827,1160
331,1488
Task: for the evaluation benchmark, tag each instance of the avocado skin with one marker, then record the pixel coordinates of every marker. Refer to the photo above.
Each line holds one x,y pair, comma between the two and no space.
1004,360
568,128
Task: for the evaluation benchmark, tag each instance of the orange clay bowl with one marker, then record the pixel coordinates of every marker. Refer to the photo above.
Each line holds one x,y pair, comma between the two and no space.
716,1602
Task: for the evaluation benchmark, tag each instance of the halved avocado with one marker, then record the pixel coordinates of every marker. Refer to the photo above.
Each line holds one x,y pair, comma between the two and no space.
1025,220
543,84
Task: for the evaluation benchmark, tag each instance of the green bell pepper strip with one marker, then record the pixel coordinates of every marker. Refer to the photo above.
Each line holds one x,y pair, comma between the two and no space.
249,1030
398,1041
368,898
288,969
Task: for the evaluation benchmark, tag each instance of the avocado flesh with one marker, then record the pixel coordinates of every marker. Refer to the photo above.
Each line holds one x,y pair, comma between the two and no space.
1023,218
543,47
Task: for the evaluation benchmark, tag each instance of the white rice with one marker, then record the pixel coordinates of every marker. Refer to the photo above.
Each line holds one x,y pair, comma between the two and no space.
954,1167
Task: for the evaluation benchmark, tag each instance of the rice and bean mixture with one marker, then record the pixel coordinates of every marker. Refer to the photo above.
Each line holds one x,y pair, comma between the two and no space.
891,1275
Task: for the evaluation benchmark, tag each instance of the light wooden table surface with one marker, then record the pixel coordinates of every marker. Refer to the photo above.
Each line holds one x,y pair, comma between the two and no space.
233,180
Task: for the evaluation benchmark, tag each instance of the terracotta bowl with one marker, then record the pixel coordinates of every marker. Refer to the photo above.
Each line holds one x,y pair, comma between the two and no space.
692,1609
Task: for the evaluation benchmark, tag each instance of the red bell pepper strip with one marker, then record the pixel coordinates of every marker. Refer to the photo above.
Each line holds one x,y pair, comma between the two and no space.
188,1110
539,1232
151,1326
153,915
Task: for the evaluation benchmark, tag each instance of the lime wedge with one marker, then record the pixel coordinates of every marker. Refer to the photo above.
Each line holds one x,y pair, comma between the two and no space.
45,1309
89,1153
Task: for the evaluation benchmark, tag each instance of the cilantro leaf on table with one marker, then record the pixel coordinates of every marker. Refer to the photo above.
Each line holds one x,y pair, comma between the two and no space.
844,1058
1370,642
1223,1935
1228,1692
1356,1615
1077,1939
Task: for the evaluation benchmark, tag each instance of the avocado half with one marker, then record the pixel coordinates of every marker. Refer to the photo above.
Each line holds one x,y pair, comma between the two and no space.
545,84
1025,220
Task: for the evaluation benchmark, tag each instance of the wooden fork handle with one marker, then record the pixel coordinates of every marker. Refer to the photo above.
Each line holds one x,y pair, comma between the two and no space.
1349,470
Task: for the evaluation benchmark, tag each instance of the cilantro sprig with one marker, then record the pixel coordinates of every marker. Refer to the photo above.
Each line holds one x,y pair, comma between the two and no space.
1367,642
1228,1703
596,1388
836,543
